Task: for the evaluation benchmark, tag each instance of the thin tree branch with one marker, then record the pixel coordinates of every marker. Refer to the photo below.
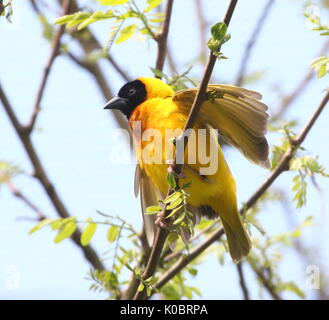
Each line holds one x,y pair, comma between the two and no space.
162,37
90,43
171,61
242,281
202,25
41,175
94,69
266,282
175,254
53,54
288,99
281,167
161,233
17,193
252,41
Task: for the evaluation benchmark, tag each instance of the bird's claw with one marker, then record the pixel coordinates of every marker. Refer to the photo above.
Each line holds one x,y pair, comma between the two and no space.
160,221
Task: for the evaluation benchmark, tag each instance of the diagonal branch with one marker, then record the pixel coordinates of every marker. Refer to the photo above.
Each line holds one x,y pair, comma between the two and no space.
268,285
41,175
161,233
53,54
242,281
252,41
202,25
282,166
162,37
18,193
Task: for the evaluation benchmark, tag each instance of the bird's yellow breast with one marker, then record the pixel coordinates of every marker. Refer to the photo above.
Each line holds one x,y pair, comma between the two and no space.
158,121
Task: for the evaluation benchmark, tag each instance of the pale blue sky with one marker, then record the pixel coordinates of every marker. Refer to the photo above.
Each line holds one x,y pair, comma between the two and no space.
75,143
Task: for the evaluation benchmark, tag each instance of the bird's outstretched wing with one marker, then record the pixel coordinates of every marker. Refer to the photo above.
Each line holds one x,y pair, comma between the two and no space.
238,115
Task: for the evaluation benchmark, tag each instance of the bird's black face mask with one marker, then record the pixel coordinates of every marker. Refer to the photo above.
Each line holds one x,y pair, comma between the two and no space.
129,97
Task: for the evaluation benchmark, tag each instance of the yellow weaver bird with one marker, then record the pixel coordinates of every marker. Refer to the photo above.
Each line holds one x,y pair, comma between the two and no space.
239,117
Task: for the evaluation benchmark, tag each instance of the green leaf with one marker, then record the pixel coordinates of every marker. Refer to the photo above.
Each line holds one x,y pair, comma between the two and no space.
171,181
66,231
213,44
179,219
174,204
170,292
218,31
88,233
157,73
173,237
112,233
40,225
56,224
96,16
219,37
322,71
319,61
152,4
174,196
73,19
126,33
141,287
148,291
192,271
188,293
174,211
153,210
196,290
112,2
292,287
296,164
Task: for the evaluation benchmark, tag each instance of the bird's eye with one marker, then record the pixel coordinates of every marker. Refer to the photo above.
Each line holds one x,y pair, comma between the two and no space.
131,92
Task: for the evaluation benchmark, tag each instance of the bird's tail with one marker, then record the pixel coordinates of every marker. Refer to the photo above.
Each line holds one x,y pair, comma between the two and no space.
238,240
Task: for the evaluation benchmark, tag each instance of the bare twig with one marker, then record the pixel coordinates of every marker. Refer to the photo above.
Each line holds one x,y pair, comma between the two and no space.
161,233
281,167
242,281
162,37
17,193
252,41
202,25
41,175
89,44
53,54
265,282
99,77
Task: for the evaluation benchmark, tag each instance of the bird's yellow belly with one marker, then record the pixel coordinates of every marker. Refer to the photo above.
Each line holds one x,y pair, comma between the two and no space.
204,190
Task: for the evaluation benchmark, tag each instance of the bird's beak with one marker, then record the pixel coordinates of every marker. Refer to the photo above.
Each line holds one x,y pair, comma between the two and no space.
117,103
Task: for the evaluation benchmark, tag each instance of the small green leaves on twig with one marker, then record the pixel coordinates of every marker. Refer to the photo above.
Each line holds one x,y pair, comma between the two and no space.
306,166
88,233
178,81
113,233
67,226
321,65
171,181
142,22
219,37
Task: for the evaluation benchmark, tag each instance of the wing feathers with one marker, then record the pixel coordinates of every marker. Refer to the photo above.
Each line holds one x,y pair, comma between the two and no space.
238,115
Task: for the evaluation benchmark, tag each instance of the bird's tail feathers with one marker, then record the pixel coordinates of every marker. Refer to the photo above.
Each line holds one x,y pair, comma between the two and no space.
238,240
